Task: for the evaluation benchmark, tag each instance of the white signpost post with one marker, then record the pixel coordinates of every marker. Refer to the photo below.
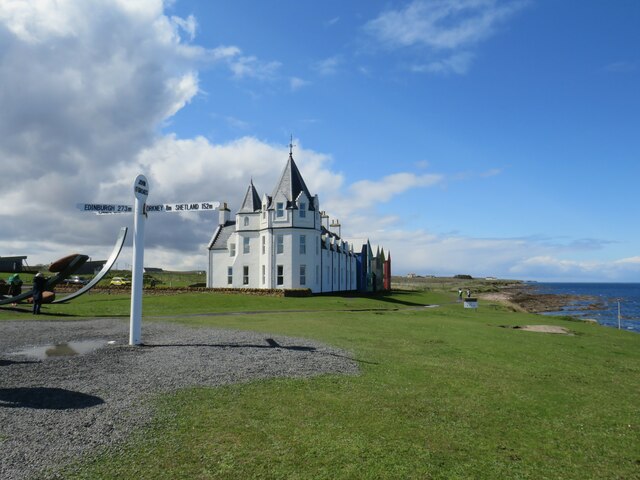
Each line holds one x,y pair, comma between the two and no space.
140,210
141,192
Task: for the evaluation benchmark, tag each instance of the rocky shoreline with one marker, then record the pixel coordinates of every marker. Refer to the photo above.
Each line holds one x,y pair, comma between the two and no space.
525,298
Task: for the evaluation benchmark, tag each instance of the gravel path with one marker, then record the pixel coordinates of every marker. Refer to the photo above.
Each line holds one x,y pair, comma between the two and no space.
56,409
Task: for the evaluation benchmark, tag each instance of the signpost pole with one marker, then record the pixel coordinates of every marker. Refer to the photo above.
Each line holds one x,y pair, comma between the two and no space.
141,191
140,209
619,326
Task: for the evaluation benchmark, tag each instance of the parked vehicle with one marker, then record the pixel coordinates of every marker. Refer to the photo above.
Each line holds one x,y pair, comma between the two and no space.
120,281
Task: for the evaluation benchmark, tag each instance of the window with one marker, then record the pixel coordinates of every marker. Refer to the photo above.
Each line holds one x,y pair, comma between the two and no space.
303,210
279,209
280,276
245,245
280,244
303,244
303,274
246,221
264,244
229,275
245,275
232,249
264,274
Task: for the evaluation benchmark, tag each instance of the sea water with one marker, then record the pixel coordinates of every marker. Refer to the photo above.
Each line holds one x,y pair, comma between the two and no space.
606,296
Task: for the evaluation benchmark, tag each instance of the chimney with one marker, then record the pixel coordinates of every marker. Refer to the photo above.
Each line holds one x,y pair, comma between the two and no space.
324,219
224,214
336,228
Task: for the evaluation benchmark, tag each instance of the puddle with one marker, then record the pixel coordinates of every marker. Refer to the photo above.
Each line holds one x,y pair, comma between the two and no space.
67,349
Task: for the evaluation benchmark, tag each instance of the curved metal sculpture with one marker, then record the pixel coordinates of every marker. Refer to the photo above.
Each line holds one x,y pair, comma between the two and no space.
73,263
105,269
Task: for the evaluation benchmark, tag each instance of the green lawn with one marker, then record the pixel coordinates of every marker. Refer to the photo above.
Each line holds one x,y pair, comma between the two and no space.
118,303
444,393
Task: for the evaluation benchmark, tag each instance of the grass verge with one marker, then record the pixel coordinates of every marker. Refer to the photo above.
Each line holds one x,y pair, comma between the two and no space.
444,393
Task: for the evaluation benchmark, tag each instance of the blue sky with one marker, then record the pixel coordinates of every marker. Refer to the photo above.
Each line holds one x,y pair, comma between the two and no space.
487,137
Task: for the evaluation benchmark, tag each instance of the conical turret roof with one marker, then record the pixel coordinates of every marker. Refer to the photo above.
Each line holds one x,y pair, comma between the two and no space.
291,184
251,201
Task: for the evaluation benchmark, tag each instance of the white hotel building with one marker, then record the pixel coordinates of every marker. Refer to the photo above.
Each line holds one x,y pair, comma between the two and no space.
281,241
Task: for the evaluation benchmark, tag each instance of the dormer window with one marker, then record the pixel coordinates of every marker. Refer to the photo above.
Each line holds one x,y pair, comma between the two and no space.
279,210
303,210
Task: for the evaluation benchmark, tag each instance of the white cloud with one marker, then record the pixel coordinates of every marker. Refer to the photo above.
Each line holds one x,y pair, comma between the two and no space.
332,22
297,83
237,123
551,267
328,66
225,52
188,25
443,24
459,63
492,172
85,86
631,261
250,66
428,253
449,27
183,89
621,67
243,66
367,193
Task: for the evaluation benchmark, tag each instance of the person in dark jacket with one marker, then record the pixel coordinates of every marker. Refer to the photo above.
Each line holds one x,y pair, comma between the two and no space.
15,286
39,283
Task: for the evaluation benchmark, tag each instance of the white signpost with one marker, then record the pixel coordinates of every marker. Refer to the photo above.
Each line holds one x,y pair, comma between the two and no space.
141,192
140,210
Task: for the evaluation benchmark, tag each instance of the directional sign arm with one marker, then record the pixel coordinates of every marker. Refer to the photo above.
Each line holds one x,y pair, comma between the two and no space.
113,209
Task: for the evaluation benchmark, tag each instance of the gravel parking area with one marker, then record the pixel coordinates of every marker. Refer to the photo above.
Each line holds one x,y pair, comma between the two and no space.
55,409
